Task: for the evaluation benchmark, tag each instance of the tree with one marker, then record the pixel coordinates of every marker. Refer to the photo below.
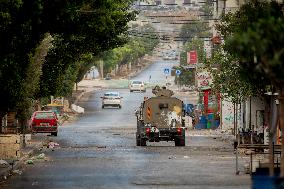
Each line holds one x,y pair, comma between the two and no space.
187,77
229,79
195,44
137,46
77,28
81,28
254,35
21,31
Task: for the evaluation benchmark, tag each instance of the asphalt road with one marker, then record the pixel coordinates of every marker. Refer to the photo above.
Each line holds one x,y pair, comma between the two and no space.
99,151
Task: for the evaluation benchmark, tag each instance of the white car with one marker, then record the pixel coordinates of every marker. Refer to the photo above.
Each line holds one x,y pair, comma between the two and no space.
137,86
111,99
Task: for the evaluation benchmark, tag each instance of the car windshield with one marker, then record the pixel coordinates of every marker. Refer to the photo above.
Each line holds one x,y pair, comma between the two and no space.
136,82
111,94
44,115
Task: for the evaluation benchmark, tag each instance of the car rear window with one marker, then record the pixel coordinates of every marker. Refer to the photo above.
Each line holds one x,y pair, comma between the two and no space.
111,94
163,106
45,115
136,82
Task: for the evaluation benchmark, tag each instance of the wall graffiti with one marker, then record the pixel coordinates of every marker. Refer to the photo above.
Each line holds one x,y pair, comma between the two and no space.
230,118
228,115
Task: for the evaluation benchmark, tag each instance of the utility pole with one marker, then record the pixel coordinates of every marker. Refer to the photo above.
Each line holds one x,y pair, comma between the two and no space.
101,68
281,117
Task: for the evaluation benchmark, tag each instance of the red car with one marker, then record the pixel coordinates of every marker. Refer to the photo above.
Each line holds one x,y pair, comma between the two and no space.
44,122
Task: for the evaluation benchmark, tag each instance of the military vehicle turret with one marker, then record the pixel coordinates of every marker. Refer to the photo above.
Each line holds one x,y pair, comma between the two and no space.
160,118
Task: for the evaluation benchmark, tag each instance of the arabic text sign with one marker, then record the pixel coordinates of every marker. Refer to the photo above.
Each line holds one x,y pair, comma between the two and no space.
204,79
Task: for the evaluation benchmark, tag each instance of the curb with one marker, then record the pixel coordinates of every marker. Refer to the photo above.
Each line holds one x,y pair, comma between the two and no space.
85,92
79,97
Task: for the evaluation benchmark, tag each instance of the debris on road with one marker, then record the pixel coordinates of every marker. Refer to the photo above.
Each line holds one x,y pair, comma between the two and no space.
3,163
40,156
18,172
29,162
52,145
101,146
37,158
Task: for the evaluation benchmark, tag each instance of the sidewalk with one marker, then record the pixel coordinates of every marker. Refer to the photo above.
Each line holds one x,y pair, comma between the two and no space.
33,146
29,150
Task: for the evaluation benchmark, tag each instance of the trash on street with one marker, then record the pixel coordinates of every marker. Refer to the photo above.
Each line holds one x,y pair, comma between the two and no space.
18,172
3,163
52,145
29,162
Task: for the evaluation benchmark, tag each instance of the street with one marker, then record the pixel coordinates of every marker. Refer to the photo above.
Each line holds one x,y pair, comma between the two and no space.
99,151
162,94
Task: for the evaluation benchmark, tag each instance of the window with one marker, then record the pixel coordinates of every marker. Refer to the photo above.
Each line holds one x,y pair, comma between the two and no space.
163,106
45,115
111,94
136,82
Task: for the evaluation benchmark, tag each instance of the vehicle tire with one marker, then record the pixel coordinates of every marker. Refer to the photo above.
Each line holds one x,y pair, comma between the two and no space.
131,91
144,91
180,141
177,141
54,133
119,106
143,142
103,106
138,140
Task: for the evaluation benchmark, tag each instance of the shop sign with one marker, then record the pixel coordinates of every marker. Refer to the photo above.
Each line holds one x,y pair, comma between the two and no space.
204,79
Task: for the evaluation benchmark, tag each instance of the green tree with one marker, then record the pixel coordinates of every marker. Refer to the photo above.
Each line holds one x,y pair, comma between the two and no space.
254,35
21,31
228,78
187,77
137,47
257,54
81,28
195,44
77,28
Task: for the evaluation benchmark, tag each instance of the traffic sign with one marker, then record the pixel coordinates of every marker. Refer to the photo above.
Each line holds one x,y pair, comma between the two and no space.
167,71
178,72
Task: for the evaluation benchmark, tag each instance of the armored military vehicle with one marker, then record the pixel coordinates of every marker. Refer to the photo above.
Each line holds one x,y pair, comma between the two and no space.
160,118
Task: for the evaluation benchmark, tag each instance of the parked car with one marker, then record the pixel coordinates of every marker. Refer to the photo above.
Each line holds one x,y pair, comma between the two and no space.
137,86
111,99
44,122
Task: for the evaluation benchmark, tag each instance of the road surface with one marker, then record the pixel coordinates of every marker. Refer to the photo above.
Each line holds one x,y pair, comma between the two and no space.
99,151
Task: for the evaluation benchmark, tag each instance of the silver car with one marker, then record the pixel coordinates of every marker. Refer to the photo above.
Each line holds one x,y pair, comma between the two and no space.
137,86
111,99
